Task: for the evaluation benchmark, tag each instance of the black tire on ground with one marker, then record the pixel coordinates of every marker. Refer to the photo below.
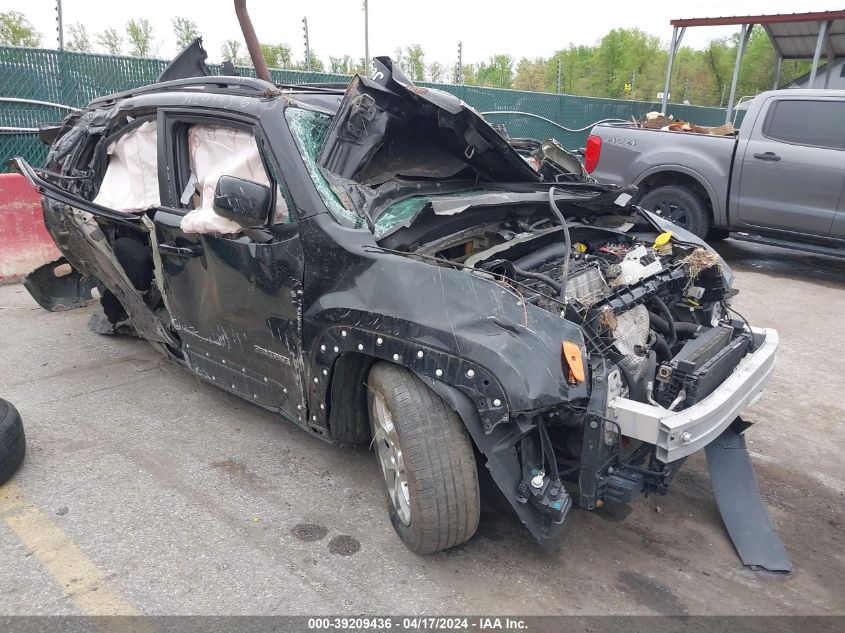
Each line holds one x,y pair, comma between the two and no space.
715,235
12,440
442,500
679,205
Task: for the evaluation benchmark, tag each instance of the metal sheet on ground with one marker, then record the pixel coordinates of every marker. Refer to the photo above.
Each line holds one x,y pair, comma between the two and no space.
743,511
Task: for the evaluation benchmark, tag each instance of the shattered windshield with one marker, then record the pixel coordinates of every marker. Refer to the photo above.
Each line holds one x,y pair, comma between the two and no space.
398,213
402,213
309,131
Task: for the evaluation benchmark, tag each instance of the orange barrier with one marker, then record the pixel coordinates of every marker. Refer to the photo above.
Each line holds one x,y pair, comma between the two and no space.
24,241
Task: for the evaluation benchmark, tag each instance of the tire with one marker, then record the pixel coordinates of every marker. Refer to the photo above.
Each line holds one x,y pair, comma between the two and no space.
679,205
438,501
12,440
717,235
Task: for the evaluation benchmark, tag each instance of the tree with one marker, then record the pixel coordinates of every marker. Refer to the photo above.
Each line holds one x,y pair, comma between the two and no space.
575,70
621,56
342,65
231,51
467,75
414,62
758,64
140,33
497,72
185,31
79,40
363,67
317,64
531,74
719,56
16,30
437,72
111,41
276,55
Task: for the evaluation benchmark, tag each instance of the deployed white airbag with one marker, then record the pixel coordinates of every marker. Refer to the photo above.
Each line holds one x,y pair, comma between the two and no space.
217,150
131,180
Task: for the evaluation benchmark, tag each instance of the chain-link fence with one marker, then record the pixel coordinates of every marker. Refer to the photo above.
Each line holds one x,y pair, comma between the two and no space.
74,79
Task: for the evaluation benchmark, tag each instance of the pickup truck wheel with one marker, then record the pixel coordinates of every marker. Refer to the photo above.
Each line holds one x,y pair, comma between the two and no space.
427,461
714,235
679,205
12,440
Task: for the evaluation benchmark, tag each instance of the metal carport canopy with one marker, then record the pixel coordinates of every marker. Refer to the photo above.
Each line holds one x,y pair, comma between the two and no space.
793,35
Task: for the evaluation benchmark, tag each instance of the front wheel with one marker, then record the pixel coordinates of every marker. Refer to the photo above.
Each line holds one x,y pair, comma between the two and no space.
680,206
426,458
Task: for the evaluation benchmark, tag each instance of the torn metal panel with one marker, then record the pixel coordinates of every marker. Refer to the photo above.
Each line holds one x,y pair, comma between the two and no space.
91,254
454,197
742,508
378,118
56,193
589,199
57,291
189,63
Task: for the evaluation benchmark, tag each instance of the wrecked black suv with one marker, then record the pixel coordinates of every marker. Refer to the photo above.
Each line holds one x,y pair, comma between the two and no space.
379,265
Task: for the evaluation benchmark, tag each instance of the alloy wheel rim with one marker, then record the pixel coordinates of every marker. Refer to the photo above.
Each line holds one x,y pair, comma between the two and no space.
389,453
673,212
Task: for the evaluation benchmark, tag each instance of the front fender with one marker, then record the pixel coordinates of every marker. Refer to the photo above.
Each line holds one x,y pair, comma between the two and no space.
453,327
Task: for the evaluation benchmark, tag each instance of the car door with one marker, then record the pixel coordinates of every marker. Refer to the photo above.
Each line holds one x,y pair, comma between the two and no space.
233,295
793,166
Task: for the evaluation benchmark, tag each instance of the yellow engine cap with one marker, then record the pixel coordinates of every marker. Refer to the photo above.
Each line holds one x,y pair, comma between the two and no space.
662,239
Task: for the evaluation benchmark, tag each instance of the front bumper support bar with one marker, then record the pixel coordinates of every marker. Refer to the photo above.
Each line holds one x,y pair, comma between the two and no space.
677,434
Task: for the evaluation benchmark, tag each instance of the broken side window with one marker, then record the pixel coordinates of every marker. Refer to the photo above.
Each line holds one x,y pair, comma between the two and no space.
130,183
215,151
309,131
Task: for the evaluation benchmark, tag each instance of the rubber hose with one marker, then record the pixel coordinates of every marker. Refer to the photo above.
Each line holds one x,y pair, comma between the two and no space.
545,439
532,275
650,375
541,256
658,323
661,307
564,276
662,348
688,329
635,391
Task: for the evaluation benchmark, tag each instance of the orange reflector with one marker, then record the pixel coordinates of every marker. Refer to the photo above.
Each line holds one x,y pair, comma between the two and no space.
572,356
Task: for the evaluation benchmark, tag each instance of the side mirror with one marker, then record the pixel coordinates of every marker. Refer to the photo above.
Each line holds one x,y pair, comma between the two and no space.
243,201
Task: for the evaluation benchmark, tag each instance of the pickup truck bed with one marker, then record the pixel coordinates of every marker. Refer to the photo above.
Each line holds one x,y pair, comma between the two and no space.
780,178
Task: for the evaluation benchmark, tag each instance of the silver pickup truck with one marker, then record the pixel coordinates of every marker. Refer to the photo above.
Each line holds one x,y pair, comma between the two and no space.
780,179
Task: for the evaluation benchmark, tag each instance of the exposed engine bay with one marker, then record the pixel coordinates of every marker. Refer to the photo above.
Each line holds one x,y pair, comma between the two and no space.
645,297
649,299
654,305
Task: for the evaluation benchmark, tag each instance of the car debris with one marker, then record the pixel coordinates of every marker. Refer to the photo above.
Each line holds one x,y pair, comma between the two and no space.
428,290
743,511
659,121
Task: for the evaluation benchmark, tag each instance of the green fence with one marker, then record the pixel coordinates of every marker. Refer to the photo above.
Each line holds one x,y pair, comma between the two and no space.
74,79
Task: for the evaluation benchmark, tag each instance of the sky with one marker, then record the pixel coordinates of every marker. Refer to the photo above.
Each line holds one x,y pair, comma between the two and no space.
337,26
